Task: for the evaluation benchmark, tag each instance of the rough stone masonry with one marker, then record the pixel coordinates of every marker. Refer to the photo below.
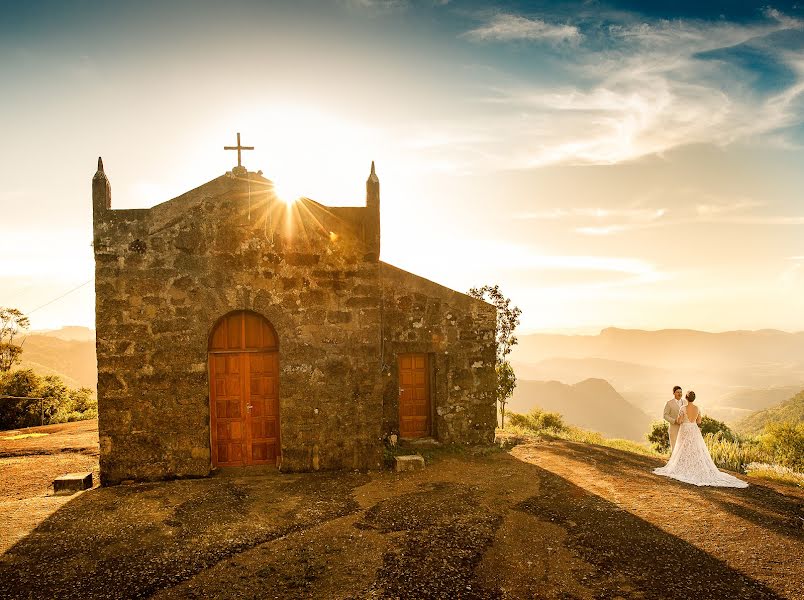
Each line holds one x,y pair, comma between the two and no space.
166,278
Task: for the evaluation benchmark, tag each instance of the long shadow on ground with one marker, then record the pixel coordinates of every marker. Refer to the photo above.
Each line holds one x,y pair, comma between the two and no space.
131,541
780,513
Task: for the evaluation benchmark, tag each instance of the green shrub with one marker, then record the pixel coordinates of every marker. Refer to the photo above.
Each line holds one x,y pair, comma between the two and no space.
713,426
785,443
538,421
658,437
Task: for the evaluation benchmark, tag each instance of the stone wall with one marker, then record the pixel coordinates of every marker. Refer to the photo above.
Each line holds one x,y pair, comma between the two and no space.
458,333
165,275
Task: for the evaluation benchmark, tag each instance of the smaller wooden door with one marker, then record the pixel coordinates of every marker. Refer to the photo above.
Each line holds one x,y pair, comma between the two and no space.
414,396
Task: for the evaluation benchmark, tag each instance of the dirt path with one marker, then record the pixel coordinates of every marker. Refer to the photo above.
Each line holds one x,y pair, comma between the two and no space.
30,459
545,520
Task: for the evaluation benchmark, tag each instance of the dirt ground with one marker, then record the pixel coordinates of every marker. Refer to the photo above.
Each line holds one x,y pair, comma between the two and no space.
545,519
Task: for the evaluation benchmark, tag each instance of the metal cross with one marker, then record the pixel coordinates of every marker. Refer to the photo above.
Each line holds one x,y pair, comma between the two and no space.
238,148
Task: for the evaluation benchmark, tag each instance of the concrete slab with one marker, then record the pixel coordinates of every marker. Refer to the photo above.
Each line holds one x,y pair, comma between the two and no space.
72,483
409,463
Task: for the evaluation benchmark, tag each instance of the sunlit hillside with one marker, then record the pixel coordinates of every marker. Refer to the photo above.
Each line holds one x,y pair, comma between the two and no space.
790,410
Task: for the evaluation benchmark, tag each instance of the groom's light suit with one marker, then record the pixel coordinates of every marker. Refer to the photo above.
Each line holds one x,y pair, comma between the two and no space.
671,410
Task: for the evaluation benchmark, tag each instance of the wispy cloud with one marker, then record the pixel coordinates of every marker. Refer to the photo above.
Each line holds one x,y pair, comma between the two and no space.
633,90
505,27
689,206
376,5
635,214
722,208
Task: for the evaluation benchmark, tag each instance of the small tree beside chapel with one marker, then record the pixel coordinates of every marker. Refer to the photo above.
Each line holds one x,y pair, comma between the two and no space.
507,322
11,322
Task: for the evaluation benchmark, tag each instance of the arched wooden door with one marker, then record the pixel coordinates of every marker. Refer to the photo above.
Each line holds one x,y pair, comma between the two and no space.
244,391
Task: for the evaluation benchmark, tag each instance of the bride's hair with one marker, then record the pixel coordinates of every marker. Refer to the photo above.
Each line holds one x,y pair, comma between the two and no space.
690,396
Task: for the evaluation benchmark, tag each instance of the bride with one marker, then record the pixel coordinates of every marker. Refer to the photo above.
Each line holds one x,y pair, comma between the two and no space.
690,461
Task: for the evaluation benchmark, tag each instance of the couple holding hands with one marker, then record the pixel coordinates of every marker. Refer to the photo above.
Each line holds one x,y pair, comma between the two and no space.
689,460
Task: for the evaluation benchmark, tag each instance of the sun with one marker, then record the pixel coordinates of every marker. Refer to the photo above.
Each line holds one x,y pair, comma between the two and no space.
287,191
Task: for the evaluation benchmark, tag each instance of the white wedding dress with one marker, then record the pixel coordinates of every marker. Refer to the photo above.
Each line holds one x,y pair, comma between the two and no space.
690,461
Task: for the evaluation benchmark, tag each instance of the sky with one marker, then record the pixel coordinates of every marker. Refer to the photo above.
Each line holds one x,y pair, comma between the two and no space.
622,164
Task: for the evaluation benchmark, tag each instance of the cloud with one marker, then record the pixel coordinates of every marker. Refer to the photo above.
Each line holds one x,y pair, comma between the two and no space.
722,208
630,90
636,214
784,20
689,206
376,5
506,27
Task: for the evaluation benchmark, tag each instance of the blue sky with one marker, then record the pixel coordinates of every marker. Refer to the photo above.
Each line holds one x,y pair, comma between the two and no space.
631,164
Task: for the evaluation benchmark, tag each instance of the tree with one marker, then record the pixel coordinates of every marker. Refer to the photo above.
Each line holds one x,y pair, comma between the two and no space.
506,382
713,426
11,322
20,412
507,321
659,437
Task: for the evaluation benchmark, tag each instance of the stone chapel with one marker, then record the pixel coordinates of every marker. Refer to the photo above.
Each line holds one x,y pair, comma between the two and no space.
235,329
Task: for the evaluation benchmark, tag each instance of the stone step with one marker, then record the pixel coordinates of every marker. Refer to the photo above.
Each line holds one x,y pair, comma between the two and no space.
423,442
72,483
412,462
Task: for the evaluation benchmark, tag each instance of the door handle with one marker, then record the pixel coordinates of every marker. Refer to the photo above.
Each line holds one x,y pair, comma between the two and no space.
249,406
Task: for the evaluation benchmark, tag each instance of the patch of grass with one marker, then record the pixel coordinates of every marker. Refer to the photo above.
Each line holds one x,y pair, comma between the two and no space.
577,434
546,425
732,454
22,436
775,473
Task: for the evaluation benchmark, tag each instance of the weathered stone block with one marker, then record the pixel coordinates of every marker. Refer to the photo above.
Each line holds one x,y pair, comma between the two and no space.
72,483
408,463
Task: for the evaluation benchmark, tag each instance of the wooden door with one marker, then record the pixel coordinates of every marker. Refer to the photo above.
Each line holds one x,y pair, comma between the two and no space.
414,396
244,391
263,408
227,410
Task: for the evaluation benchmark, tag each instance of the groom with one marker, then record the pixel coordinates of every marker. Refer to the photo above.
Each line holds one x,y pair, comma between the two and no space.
671,410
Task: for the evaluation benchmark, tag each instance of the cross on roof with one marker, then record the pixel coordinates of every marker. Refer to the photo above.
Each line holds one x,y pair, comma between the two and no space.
238,148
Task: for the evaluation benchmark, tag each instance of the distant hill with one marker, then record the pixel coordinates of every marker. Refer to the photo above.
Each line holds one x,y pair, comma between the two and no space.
788,410
74,333
68,352
592,404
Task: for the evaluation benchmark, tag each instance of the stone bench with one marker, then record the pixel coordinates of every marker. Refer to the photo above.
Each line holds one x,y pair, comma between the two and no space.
412,462
72,483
